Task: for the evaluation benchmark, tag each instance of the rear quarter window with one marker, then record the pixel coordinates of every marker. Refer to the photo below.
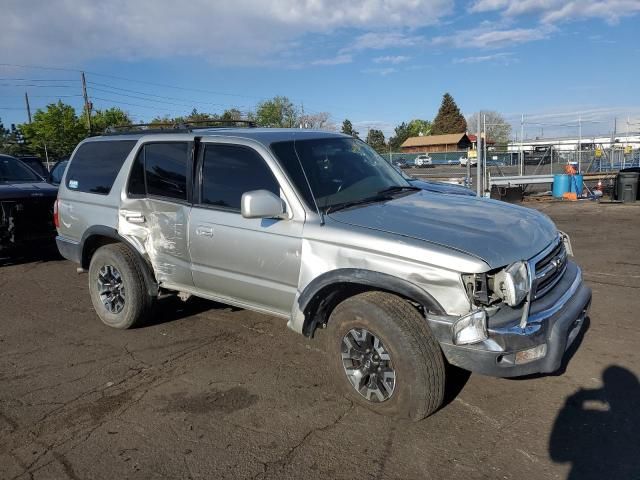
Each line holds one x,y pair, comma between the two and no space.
95,165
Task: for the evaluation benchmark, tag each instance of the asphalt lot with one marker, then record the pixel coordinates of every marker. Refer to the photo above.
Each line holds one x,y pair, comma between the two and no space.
210,391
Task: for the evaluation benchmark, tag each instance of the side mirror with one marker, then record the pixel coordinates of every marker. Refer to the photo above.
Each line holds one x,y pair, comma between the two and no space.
261,204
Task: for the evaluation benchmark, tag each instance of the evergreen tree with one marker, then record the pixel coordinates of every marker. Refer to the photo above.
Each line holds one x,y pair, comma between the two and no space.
449,118
375,138
347,128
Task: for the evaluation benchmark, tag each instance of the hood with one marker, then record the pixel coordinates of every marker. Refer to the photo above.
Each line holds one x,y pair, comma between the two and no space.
496,232
18,190
442,187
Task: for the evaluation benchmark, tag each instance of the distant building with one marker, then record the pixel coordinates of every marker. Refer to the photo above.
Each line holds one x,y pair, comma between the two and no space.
453,142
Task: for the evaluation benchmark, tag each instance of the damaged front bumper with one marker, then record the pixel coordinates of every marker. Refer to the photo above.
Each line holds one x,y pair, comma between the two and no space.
511,350
25,221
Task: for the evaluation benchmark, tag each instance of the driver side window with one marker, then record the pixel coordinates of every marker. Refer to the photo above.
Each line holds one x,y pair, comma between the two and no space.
228,171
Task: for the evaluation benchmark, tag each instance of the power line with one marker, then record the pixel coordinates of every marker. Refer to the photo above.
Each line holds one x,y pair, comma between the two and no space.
37,80
35,85
158,96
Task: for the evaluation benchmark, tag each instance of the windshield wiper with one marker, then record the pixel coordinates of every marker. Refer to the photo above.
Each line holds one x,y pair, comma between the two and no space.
398,188
373,199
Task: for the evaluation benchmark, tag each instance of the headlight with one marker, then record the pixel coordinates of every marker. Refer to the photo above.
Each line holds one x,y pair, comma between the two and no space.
512,283
471,328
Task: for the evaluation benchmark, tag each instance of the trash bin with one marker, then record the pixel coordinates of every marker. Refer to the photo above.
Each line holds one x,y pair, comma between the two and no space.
634,169
627,186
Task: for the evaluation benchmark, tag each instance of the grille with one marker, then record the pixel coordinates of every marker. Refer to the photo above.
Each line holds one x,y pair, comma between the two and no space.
549,270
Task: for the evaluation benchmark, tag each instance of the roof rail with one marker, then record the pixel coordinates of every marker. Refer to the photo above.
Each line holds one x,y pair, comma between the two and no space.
172,127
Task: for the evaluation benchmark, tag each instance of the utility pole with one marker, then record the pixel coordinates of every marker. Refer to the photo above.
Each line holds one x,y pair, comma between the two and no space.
479,152
87,104
26,101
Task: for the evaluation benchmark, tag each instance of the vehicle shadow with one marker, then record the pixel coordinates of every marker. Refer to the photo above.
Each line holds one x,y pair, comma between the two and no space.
171,309
40,253
597,429
455,380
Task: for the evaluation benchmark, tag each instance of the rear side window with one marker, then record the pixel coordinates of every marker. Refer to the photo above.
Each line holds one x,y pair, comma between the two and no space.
229,171
95,165
165,170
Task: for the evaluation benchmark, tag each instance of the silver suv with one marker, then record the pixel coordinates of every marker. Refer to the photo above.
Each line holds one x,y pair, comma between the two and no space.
316,228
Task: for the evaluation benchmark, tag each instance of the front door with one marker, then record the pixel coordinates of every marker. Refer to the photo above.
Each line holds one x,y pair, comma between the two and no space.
253,262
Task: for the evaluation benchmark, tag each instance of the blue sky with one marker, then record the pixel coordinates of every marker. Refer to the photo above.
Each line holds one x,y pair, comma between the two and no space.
376,62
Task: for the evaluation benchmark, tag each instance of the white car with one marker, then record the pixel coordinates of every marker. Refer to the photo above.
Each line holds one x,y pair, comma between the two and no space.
472,161
423,161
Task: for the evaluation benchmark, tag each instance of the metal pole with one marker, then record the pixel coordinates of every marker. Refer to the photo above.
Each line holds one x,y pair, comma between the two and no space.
521,139
87,105
484,153
479,162
26,101
579,143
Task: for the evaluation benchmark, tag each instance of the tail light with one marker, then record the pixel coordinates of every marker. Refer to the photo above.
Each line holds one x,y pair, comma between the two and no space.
56,219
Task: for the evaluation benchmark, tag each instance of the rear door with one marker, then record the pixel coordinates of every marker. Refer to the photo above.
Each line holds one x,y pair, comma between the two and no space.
156,211
253,262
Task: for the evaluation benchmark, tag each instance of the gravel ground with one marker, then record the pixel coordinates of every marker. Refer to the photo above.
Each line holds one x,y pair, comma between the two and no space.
210,391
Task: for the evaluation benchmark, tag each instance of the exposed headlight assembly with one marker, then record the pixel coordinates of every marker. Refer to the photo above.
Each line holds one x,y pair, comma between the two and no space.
512,283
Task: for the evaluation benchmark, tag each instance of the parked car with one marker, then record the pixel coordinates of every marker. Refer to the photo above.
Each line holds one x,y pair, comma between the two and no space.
473,162
26,205
57,171
394,281
423,161
400,162
441,187
35,163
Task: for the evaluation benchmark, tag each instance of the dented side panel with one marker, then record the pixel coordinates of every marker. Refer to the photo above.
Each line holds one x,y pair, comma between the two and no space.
434,269
159,231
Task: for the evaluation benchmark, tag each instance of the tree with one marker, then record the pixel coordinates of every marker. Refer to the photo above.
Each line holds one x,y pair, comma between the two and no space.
498,129
277,112
103,119
375,138
449,118
414,128
58,128
12,140
318,121
347,128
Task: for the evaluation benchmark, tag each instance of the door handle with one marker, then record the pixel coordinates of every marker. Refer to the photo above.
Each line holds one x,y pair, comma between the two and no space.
134,217
204,231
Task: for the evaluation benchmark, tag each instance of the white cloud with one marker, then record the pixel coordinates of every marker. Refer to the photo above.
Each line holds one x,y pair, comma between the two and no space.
552,11
380,71
484,37
394,60
382,40
337,60
238,32
504,58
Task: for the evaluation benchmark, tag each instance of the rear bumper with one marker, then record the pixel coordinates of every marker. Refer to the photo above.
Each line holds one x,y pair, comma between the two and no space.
555,321
69,249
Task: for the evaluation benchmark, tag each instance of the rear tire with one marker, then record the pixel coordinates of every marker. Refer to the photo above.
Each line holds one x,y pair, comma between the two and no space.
117,287
366,329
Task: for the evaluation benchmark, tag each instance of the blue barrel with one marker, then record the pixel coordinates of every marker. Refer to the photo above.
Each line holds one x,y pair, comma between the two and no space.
560,185
576,183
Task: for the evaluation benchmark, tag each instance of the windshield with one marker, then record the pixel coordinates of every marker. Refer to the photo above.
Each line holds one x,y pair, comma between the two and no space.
340,171
13,170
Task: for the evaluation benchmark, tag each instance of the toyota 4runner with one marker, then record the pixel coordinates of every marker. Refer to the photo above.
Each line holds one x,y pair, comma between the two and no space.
316,228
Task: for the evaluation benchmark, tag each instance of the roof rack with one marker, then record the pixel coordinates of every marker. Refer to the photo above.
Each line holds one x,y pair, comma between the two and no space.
172,127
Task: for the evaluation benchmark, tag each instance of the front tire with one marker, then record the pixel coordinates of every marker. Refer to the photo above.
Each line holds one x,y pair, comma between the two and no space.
117,287
384,356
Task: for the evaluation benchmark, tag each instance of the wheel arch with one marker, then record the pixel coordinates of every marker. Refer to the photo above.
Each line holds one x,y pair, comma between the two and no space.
99,235
325,292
